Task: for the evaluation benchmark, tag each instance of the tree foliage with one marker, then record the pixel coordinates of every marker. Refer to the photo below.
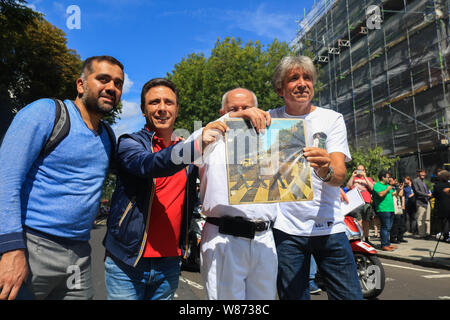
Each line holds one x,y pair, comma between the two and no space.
203,81
108,186
372,159
35,61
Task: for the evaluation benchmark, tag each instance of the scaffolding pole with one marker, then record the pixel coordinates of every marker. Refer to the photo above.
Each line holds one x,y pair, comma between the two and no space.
351,75
388,87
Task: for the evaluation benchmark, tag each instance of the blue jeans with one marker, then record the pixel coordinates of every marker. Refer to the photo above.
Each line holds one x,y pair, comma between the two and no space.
386,221
151,279
312,269
334,260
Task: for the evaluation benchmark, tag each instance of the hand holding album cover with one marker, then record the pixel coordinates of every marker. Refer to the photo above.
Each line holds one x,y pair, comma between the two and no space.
267,167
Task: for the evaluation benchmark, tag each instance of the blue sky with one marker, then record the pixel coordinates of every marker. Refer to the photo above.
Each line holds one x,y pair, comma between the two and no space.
150,37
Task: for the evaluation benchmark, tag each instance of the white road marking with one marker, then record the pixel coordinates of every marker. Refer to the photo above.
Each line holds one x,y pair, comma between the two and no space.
409,268
437,276
444,298
192,283
389,279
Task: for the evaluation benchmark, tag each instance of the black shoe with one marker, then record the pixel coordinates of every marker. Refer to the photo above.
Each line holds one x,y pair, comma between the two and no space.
369,243
394,241
403,240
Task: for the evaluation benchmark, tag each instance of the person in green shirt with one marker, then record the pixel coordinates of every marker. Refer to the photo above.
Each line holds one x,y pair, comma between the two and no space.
384,207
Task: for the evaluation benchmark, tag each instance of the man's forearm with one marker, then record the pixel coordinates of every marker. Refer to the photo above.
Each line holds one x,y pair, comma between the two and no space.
339,170
350,182
383,193
369,184
339,176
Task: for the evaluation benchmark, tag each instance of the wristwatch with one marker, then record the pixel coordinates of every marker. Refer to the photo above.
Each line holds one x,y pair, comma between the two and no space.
329,175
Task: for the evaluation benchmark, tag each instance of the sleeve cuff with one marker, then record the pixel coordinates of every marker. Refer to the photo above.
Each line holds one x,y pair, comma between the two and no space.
11,241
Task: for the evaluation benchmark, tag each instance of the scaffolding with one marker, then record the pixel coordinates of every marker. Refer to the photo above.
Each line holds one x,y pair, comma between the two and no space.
383,64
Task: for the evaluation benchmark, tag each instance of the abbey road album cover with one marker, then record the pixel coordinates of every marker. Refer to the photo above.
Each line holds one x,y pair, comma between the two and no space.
267,167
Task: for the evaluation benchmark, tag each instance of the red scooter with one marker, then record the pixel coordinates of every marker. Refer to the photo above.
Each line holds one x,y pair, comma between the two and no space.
370,270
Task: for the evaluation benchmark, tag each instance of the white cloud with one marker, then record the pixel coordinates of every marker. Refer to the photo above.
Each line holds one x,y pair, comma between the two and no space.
130,109
127,84
33,6
131,119
128,125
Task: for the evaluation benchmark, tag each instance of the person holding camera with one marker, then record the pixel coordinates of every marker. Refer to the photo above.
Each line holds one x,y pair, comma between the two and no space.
399,224
363,214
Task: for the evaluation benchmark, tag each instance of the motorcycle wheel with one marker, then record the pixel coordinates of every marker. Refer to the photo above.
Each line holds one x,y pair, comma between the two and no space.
371,275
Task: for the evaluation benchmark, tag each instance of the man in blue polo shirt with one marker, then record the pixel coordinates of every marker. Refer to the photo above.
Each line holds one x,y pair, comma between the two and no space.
48,203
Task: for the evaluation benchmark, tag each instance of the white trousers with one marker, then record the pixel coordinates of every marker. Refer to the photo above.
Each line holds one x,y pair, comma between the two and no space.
423,220
236,268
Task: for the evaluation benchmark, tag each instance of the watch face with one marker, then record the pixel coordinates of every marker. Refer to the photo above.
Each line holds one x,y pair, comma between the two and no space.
329,175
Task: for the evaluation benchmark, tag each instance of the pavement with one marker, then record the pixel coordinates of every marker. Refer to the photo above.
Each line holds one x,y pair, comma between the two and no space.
418,251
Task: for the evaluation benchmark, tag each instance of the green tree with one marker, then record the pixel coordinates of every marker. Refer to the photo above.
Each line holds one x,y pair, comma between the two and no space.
203,81
112,117
35,61
372,159
108,186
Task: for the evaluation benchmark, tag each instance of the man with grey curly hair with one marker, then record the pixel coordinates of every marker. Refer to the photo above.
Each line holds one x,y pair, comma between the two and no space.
314,227
290,62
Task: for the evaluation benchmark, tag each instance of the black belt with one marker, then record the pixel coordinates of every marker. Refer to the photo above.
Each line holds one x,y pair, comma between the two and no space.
239,227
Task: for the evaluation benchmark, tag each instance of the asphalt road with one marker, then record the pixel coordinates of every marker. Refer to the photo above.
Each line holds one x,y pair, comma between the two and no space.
404,281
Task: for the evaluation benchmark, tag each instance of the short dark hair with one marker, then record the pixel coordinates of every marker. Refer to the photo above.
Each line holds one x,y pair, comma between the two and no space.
157,82
383,173
86,69
420,170
443,175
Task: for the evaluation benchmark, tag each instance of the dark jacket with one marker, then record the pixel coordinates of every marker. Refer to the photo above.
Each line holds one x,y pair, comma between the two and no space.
137,167
442,203
420,192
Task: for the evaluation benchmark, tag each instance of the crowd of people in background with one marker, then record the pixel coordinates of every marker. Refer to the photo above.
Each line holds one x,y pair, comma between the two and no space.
395,207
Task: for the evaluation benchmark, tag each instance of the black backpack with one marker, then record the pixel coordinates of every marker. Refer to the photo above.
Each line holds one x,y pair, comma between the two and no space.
61,129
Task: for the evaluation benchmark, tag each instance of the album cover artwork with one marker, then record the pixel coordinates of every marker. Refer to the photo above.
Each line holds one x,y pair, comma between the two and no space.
267,167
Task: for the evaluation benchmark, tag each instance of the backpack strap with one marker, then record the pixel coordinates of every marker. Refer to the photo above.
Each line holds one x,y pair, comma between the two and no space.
61,127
